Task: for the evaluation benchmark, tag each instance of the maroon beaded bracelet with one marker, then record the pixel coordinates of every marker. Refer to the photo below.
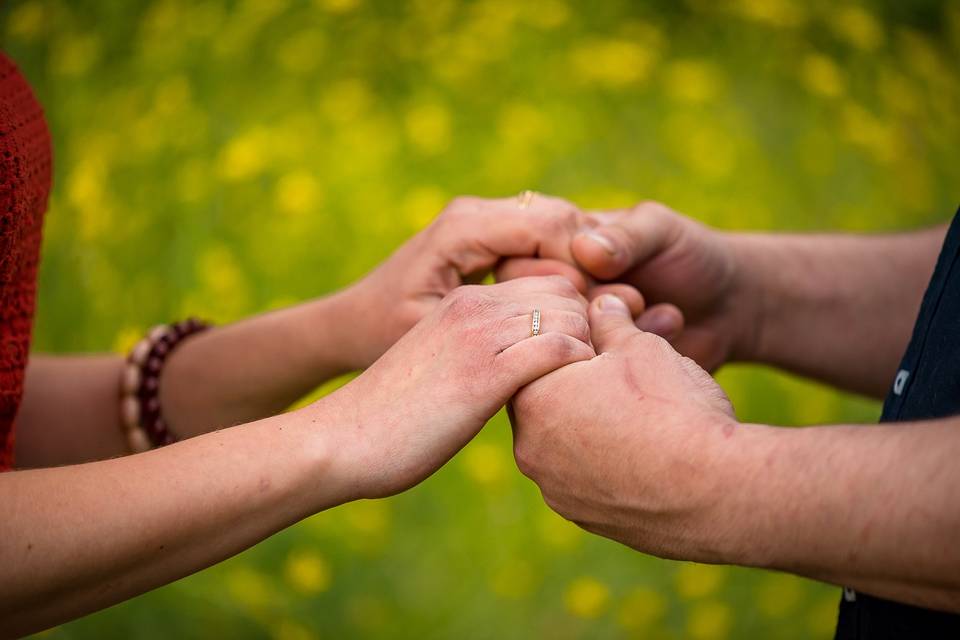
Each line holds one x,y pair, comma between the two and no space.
140,409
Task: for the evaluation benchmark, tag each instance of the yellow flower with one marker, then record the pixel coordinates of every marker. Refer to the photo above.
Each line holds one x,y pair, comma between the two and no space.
857,26
338,6
297,192
698,580
250,588
693,81
291,630
346,100
422,204
514,580
244,156
428,127
822,619
614,63
586,597
301,52
28,20
484,463
709,621
546,14
777,13
821,75
522,123
641,608
73,55
557,532
368,516
307,572
779,594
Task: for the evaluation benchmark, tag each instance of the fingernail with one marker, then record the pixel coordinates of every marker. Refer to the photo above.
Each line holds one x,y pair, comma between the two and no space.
609,303
661,324
601,240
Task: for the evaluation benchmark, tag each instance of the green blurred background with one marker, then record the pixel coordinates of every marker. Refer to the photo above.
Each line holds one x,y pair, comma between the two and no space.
221,158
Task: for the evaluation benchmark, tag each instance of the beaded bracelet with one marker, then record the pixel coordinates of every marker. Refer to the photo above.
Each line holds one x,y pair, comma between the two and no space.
140,412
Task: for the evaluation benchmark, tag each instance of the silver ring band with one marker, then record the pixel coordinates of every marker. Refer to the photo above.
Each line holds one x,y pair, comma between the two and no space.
535,326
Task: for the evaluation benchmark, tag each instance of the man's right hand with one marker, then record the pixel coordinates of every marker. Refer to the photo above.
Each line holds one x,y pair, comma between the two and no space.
687,272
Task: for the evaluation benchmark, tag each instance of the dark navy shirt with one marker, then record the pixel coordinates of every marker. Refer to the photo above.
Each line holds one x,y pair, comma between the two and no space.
927,385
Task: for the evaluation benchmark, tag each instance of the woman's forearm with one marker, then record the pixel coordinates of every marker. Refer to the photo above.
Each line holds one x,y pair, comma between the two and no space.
869,507
228,375
80,538
258,366
838,308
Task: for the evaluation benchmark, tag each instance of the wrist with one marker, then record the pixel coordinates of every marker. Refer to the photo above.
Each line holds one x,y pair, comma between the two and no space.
337,335
329,442
750,293
744,516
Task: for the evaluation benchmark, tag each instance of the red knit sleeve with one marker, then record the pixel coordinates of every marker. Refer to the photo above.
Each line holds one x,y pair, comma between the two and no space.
25,175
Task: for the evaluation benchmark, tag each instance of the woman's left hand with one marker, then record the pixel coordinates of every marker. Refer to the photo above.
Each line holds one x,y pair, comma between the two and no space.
464,244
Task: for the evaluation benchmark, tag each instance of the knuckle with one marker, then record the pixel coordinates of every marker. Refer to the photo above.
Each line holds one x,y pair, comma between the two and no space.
578,327
463,302
562,285
526,459
557,346
459,206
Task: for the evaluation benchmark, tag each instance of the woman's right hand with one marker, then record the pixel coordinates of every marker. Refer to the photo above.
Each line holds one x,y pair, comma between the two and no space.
433,391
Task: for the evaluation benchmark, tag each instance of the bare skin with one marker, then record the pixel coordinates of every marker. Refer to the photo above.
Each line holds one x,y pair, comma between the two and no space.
838,308
82,537
640,445
259,366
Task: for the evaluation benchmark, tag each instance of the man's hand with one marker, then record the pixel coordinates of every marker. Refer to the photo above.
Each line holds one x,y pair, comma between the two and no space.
632,443
463,245
687,272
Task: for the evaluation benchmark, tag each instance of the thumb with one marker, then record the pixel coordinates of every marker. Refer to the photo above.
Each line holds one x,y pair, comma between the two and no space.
606,251
610,323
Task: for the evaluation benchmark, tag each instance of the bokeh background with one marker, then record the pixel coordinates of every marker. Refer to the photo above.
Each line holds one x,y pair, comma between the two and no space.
221,157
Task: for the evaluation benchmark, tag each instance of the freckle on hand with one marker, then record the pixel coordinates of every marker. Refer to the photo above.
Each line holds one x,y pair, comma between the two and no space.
728,430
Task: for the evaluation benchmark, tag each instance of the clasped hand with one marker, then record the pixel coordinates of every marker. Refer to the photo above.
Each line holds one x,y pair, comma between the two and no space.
595,392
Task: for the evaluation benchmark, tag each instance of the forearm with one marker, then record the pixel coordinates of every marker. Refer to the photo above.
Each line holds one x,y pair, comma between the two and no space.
80,538
838,308
229,375
70,411
870,507
258,366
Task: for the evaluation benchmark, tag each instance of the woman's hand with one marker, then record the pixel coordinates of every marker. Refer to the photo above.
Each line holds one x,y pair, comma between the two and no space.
420,403
465,243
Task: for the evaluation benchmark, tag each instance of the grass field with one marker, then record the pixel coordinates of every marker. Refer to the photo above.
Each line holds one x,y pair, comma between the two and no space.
221,158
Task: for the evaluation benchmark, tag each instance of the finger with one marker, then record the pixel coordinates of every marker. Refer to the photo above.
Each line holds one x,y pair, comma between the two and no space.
632,297
608,250
536,357
568,323
664,319
522,288
475,233
610,323
513,268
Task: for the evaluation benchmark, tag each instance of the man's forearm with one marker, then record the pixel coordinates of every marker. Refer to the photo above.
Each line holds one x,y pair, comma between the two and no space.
869,507
838,308
229,375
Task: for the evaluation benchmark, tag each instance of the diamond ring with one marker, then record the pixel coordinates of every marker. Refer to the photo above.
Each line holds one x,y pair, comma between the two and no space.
526,198
535,327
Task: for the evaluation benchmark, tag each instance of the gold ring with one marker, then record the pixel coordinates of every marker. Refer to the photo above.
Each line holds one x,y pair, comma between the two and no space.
526,198
535,327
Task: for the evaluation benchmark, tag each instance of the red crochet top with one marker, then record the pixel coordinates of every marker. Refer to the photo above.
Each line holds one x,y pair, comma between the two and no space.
25,164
